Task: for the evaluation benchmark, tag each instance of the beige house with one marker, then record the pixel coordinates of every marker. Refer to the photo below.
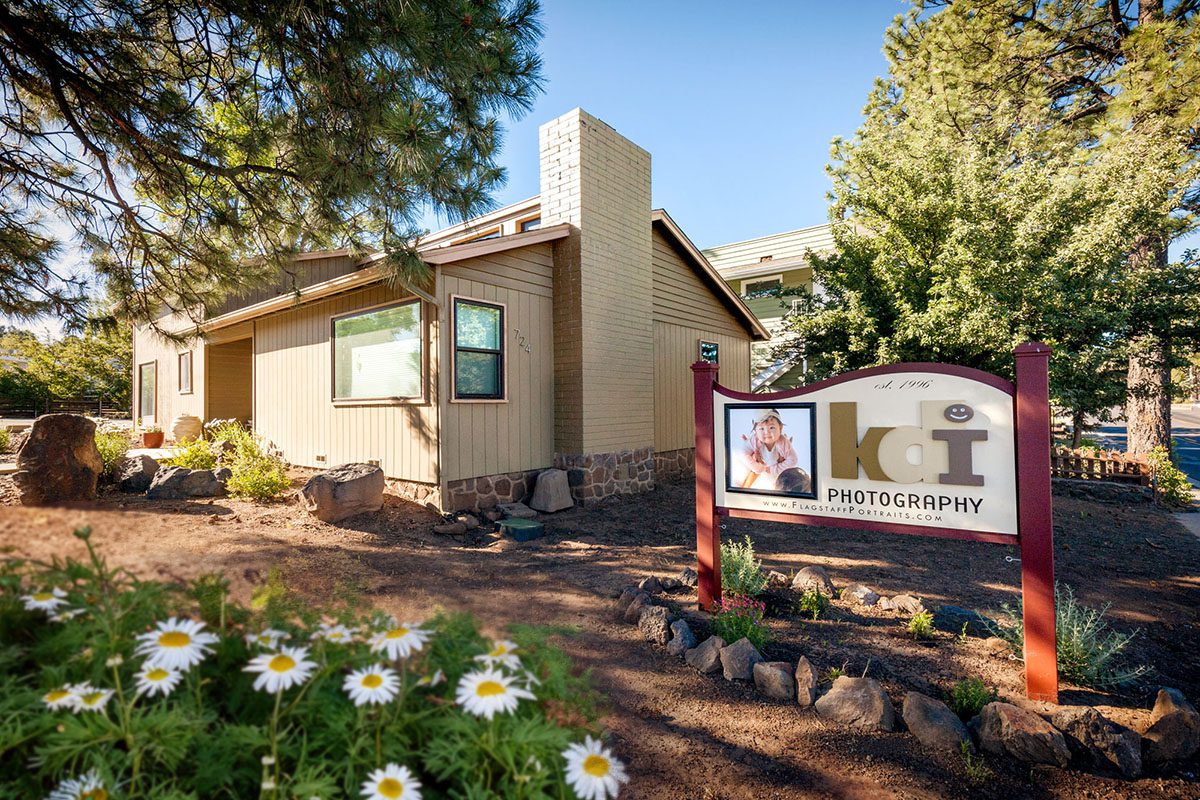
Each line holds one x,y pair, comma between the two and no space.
559,332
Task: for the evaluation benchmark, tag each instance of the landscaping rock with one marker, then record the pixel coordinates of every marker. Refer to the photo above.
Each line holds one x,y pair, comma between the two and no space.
860,594
706,657
137,473
859,703
650,585
654,622
633,612
813,577
552,492
738,660
450,529
671,584
177,483
687,576
517,510
903,604
776,580
493,514
682,638
344,491
1005,729
806,682
59,461
1100,742
934,724
775,679
622,601
1174,731
470,521
952,619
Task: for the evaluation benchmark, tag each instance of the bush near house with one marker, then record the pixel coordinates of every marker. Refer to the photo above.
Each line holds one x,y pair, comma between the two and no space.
113,444
740,572
257,472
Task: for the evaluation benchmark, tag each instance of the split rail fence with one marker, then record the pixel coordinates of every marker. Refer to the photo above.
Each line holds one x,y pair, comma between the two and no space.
1099,465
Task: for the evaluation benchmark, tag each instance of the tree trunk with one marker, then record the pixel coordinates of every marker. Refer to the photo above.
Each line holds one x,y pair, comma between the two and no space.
1076,429
1148,381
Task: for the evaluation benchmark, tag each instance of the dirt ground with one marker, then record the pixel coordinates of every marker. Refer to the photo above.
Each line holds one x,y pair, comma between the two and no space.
685,735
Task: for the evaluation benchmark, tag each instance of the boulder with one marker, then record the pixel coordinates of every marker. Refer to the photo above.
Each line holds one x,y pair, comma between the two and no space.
671,584
650,585
1174,731
902,603
469,521
776,580
806,682
633,612
813,577
934,724
137,473
450,529
860,594
552,492
952,619
1005,729
177,483
682,638
517,510
859,703
706,656
775,679
59,461
344,491
738,660
654,622
687,576
1099,742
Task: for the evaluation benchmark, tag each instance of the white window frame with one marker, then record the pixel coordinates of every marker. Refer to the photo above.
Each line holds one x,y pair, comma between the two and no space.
418,399
452,339
761,279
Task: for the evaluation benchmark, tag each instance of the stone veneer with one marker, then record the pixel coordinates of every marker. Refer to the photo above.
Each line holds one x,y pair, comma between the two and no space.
488,491
598,475
423,493
672,464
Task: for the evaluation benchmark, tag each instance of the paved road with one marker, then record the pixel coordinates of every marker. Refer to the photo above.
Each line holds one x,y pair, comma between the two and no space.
1185,426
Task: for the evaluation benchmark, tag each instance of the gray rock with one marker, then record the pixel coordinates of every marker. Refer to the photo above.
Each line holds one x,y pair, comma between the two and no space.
654,622
177,483
59,461
470,521
517,510
633,612
622,601
344,491
706,656
1174,731
859,703
650,585
934,724
738,660
860,594
493,514
952,619
552,492
806,682
776,580
137,473
904,604
1005,729
813,577
1100,742
775,679
682,638
671,584
450,529
687,576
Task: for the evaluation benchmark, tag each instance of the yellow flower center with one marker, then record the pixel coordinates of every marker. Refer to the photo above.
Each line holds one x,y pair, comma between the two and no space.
281,663
94,794
372,681
390,787
92,699
490,689
42,597
157,675
174,639
57,695
499,651
397,633
596,766
335,635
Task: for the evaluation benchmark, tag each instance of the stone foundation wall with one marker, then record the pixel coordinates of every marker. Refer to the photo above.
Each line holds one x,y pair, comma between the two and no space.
673,464
598,475
471,494
423,493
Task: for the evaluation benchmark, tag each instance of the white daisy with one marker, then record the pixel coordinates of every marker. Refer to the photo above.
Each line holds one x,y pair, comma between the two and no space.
487,691
66,614
432,680
60,698
375,685
281,670
501,654
400,641
89,698
48,600
176,644
592,771
269,638
338,634
86,787
157,680
390,783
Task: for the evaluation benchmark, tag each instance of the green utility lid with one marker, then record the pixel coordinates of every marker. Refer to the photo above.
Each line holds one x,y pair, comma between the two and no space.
521,530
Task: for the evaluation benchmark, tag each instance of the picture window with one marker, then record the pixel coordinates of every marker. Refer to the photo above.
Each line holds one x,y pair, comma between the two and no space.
377,354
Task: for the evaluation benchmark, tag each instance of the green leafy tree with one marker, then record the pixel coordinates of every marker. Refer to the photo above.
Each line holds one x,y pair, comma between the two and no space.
95,363
193,148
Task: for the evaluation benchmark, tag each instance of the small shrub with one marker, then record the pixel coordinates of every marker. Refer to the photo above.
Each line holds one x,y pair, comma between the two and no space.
968,697
113,444
1089,653
833,673
812,603
740,616
1170,482
921,625
740,573
977,771
193,454
5,440
257,472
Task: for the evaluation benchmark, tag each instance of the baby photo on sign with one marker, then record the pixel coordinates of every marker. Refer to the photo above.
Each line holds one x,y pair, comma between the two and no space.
770,449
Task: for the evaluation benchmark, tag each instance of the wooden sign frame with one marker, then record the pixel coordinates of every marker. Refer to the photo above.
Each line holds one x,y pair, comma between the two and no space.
1035,536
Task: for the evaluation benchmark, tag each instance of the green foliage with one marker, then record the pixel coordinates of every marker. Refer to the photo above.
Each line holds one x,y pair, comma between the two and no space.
113,444
1170,482
257,472
741,616
740,573
96,362
1089,653
921,625
833,673
5,440
209,737
193,454
813,603
977,771
968,697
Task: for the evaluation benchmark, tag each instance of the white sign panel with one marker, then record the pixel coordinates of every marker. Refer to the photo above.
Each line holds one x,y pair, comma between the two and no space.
908,448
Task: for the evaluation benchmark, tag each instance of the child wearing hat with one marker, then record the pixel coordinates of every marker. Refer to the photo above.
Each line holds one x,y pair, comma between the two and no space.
766,452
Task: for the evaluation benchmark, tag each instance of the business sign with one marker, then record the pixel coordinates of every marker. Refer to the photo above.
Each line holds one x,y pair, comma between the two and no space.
928,449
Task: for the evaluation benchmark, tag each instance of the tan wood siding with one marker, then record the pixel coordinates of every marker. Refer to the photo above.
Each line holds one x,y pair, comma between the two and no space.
297,276
293,404
491,438
148,347
229,378
681,297
676,348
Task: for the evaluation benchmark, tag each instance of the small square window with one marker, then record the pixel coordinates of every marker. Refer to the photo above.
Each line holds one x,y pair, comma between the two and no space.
185,372
710,352
530,224
478,350
762,287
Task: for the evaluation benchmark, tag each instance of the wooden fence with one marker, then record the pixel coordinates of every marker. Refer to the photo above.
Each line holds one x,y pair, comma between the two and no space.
91,406
1090,464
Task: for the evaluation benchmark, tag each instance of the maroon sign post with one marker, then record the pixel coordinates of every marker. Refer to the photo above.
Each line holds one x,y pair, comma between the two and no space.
1034,536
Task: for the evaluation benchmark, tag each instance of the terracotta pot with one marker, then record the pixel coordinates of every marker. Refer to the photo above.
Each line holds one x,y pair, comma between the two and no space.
152,440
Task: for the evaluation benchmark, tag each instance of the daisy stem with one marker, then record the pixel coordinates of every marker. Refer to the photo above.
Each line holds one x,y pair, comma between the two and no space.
275,738
378,738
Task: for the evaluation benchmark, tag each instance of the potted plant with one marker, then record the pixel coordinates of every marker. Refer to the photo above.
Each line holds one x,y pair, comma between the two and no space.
152,436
